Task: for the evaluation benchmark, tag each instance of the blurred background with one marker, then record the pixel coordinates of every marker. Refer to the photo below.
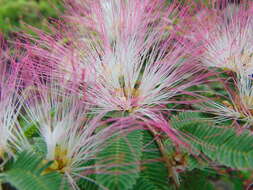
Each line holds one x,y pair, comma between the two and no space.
38,13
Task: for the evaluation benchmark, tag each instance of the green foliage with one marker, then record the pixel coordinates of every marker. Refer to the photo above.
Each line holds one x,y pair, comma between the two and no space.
143,183
193,162
26,173
154,172
196,180
32,12
39,146
85,184
30,129
124,153
225,145
210,180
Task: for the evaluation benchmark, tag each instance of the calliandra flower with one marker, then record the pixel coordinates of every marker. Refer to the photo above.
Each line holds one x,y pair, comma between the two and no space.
227,39
190,24
53,54
72,137
132,68
133,81
139,73
237,105
93,25
110,20
68,53
12,138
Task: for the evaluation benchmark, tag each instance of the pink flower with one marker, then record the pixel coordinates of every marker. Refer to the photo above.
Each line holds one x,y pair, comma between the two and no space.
113,19
227,39
124,54
72,136
236,106
138,71
12,137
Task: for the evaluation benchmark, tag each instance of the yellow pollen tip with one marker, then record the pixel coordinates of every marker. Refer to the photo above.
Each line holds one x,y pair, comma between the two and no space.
54,165
2,152
60,163
169,27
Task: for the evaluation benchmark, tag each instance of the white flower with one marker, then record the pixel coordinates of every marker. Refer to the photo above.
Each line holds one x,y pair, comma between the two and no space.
237,106
228,40
12,138
72,138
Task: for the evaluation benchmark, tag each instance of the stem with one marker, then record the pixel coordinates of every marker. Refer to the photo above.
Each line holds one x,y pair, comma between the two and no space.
166,159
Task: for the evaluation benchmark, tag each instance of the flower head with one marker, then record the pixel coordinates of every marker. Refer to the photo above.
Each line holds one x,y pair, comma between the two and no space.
12,138
140,69
133,80
72,137
113,19
237,105
227,39
123,57
139,72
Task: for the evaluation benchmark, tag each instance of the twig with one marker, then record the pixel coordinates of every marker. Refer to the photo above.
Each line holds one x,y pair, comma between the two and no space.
165,157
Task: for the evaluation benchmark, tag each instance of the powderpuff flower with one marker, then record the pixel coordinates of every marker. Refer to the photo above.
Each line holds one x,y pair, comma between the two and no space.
139,73
112,19
237,105
133,80
132,68
141,84
139,69
227,38
94,25
71,136
12,138
124,20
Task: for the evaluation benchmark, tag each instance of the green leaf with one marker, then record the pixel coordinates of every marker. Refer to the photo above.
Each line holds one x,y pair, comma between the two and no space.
224,145
143,183
196,180
39,146
26,173
154,172
85,184
30,128
125,154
